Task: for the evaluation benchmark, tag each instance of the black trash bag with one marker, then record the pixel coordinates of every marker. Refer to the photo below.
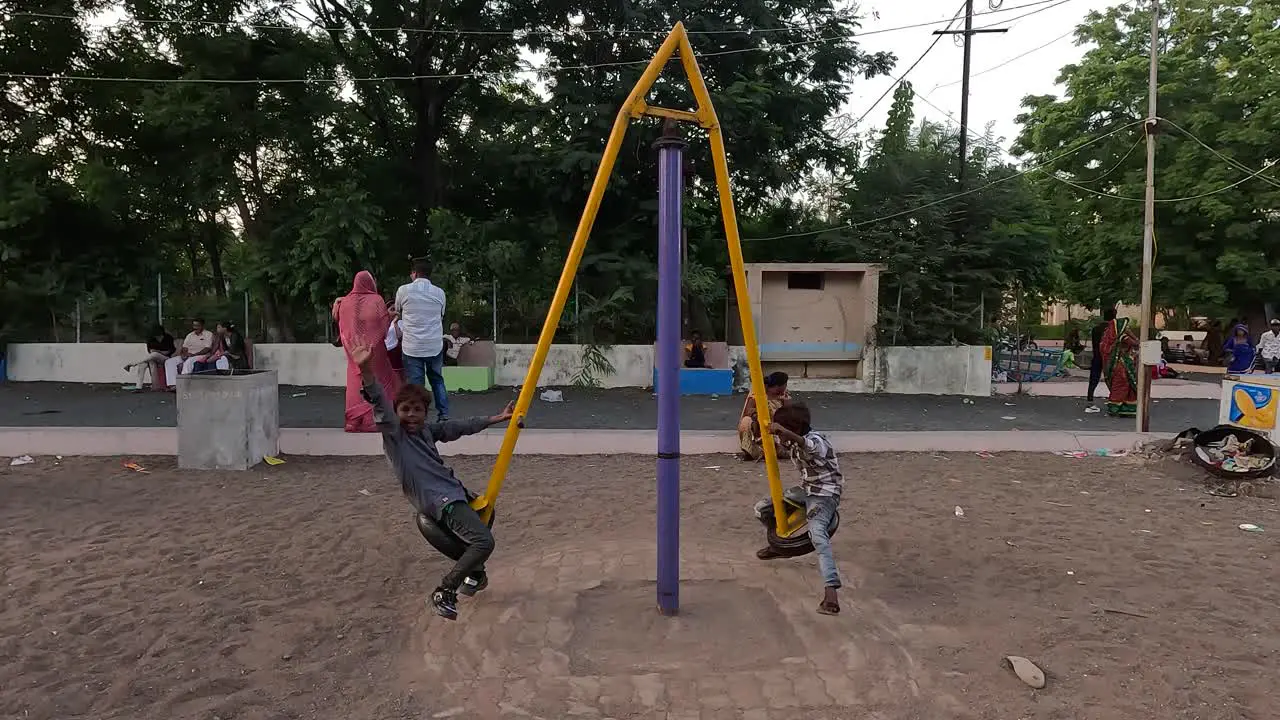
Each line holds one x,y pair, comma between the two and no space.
1261,445
798,543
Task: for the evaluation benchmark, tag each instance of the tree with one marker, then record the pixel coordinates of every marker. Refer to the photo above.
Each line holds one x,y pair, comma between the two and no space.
902,209
1218,250
261,152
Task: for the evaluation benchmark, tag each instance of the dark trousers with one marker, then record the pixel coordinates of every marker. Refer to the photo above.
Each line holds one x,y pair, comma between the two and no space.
1095,374
477,540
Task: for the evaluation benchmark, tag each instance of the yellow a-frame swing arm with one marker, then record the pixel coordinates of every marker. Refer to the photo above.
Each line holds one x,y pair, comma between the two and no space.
705,116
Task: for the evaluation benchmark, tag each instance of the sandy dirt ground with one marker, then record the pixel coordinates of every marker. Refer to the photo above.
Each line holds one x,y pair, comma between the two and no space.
288,592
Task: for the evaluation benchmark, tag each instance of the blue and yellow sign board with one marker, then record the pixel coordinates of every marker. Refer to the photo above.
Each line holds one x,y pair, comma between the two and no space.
1253,406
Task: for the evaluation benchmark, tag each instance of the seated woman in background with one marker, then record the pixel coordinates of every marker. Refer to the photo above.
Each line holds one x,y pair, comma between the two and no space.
229,351
695,352
160,347
775,387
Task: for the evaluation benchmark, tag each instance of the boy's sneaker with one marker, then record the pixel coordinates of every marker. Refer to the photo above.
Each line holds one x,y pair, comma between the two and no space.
445,603
472,585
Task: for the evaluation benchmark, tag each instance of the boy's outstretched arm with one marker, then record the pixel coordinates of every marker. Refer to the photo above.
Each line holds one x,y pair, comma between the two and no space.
384,416
451,430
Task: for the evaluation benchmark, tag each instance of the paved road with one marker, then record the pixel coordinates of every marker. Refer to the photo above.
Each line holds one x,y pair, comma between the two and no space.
69,405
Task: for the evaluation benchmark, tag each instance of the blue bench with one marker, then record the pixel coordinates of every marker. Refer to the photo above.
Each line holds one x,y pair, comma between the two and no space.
702,381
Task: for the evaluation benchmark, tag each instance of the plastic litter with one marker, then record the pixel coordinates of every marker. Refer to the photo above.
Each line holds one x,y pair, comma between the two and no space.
959,511
24,460
551,396
1250,527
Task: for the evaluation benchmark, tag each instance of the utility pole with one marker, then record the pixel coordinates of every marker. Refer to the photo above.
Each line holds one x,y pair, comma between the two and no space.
968,33
1149,224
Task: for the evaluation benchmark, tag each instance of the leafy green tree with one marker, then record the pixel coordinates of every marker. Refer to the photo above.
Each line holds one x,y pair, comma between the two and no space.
902,210
1218,249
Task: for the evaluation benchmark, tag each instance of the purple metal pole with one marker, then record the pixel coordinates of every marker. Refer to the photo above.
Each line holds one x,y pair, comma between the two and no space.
670,193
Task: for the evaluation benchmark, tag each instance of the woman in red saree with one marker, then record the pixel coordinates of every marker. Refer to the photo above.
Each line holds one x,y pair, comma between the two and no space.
1119,367
362,321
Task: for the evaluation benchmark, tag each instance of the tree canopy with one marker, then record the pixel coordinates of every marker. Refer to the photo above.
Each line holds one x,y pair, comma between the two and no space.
1218,241
270,150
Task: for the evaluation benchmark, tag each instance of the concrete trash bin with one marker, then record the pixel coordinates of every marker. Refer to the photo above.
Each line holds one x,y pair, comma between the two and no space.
227,422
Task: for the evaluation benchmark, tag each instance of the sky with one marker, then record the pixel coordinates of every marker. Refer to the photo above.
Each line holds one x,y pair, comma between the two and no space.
994,96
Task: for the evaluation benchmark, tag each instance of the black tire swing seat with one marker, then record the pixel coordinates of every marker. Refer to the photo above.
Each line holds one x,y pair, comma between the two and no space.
798,543
442,538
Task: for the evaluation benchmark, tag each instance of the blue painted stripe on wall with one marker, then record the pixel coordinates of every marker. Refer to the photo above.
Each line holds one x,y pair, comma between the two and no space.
811,347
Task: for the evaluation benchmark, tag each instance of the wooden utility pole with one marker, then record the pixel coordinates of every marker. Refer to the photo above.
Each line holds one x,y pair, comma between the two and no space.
1149,224
968,33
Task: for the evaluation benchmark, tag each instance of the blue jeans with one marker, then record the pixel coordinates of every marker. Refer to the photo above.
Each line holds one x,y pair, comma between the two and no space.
819,511
420,371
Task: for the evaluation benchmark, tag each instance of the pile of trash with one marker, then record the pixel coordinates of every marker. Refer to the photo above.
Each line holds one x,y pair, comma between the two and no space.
1234,455
1230,452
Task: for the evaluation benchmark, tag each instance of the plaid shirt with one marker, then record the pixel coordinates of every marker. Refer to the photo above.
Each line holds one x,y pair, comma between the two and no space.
819,467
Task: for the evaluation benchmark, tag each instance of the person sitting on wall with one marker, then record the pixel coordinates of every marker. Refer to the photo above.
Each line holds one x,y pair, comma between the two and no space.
195,348
775,387
160,348
454,342
696,352
229,351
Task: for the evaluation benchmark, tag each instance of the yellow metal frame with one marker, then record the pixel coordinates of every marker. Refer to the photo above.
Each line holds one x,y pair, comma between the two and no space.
705,116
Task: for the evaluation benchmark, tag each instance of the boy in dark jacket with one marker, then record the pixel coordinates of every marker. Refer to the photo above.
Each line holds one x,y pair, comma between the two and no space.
430,486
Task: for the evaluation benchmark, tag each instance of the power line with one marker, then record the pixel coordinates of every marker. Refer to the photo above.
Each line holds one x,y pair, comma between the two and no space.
1015,58
511,32
1080,185
473,75
1230,160
903,76
949,198
391,78
1252,175
1058,3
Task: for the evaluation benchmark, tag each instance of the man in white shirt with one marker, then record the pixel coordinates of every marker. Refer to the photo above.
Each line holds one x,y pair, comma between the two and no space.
195,348
1269,347
420,307
453,344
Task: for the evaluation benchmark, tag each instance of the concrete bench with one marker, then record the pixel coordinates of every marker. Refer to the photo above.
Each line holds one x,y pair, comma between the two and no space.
475,369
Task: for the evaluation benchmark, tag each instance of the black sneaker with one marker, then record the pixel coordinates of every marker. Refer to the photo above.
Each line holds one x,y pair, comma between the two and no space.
472,585
445,603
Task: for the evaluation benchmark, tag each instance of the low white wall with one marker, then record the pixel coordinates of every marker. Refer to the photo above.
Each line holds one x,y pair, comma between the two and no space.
632,365
959,370
917,370
317,364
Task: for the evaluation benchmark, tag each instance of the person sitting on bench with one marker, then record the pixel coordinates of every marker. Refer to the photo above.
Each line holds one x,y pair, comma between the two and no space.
696,352
195,348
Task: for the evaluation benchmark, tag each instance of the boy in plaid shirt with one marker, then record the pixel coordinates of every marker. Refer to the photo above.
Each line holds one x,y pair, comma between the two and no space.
820,475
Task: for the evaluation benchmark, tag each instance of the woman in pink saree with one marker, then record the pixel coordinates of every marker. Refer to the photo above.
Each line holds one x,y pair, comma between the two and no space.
362,321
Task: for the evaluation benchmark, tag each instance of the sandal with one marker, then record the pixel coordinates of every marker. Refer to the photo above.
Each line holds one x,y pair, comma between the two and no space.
768,553
826,608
